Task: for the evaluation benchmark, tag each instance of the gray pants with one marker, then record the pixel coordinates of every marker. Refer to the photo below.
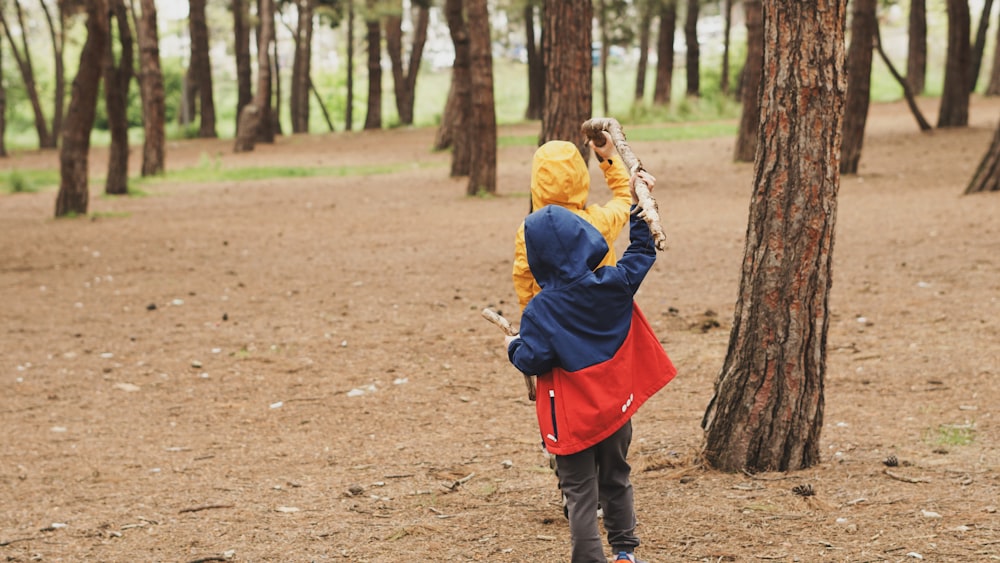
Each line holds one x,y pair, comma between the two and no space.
599,473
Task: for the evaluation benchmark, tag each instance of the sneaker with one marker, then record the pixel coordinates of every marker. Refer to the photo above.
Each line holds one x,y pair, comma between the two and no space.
629,557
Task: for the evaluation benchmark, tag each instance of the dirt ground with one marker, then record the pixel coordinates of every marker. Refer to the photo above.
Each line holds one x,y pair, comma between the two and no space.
297,370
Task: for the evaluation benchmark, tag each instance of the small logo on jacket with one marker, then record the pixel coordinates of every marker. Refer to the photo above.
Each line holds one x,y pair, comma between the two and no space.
628,403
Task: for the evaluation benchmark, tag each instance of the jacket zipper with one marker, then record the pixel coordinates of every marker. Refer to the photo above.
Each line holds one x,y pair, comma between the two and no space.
552,405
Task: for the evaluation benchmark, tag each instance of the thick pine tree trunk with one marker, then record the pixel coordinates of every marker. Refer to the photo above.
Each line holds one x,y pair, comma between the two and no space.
153,96
255,115
645,23
746,138
74,195
458,114
767,411
373,119
693,65
980,45
241,44
301,67
536,72
566,55
23,60
201,68
482,119
916,61
987,177
954,110
117,79
665,52
859,72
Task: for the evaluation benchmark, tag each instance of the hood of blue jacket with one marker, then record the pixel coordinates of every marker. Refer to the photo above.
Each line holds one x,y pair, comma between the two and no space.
562,247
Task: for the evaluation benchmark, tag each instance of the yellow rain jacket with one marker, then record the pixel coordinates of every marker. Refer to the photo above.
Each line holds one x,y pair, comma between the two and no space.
559,176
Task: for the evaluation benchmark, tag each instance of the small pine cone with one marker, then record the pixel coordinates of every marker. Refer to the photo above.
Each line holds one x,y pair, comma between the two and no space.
891,461
803,490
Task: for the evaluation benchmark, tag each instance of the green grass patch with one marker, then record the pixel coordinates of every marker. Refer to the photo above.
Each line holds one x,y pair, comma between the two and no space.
27,181
953,435
109,215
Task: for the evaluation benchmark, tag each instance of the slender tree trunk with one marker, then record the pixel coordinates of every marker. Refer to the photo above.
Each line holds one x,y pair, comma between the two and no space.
153,93
916,62
349,111
907,93
980,46
482,123
568,68
458,117
189,97
536,72
645,23
405,80
58,35
3,106
373,120
201,68
116,80
993,88
274,103
322,106
665,52
301,67
693,51
255,115
954,110
241,44
605,51
859,72
727,24
987,176
268,108
767,411
746,139
74,194
23,60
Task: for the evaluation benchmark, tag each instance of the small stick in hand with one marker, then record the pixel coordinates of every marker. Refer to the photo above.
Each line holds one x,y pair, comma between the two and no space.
504,325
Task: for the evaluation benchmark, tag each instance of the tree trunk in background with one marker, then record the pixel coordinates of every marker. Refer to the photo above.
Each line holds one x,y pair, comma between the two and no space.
374,118
727,25
266,107
987,177
349,111
602,19
455,125
74,193
274,105
301,67
3,106
241,44
23,60
536,72
58,35
405,81
746,138
993,88
482,118
665,52
980,45
645,22
954,110
859,72
767,410
255,116
201,68
153,94
916,61
693,51
117,79
568,88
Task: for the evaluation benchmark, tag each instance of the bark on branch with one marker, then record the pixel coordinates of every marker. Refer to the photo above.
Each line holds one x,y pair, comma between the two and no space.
648,210
504,325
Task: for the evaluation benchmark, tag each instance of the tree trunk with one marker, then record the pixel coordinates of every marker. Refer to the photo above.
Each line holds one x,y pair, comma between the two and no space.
254,116
954,110
693,51
322,106
74,194
405,80
536,72
116,80
907,93
458,116
987,176
746,138
767,411
23,60
727,24
916,61
645,21
482,119
3,108
374,118
349,111
189,98
266,108
859,72
566,55
58,35
605,51
980,46
301,67
153,94
268,134
241,44
201,67
993,88
665,52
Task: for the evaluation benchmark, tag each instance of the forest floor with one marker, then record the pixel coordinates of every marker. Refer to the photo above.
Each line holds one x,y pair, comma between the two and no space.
297,369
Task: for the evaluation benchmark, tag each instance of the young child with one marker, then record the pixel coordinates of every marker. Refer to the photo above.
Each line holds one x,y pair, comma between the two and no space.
598,360
559,176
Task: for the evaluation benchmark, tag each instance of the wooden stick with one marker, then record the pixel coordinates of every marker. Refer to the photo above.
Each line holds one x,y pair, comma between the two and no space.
592,128
504,325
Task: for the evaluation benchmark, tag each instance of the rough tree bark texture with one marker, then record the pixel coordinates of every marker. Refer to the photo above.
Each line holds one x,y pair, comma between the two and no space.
23,59
767,410
73,194
252,117
746,138
954,110
301,67
665,52
980,45
859,72
241,44
373,119
153,93
482,117
201,68
458,111
536,72
117,78
987,176
405,80
916,61
568,84
693,64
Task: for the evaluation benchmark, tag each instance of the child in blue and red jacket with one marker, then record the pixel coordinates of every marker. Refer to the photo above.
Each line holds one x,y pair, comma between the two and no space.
599,361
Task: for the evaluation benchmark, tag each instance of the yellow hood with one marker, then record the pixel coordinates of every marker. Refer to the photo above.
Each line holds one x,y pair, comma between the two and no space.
559,176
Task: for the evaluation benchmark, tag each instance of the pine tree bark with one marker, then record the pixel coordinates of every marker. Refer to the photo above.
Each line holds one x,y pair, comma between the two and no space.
566,47
987,176
255,116
767,411
980,44
23,59
536,71
692,67
201,68
954,110
117,78
301,67
482,119
916,61
241,45
74,195
645,23
373,119
153,93
665,52
746,138
457,115
859,72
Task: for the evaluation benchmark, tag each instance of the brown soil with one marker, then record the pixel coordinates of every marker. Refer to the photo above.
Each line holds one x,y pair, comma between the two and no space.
316,383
